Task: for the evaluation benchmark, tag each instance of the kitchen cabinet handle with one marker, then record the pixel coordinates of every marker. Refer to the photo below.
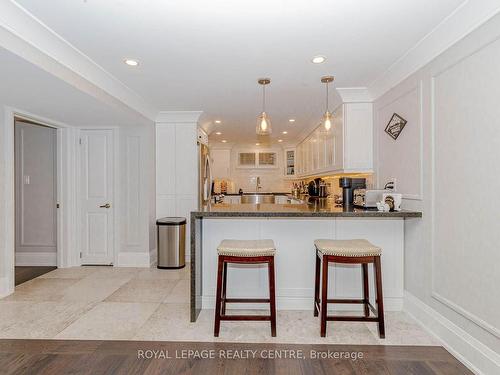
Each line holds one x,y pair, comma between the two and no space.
107,205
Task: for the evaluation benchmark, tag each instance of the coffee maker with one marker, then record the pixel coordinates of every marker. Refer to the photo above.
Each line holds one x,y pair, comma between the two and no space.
317,188
348,185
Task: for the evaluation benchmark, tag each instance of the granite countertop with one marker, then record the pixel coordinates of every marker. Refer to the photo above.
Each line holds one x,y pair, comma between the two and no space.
323,208
259,193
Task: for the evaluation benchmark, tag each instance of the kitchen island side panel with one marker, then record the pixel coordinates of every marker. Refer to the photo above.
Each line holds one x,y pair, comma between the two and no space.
295,257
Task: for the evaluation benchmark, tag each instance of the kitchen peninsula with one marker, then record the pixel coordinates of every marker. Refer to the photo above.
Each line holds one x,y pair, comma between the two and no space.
294,227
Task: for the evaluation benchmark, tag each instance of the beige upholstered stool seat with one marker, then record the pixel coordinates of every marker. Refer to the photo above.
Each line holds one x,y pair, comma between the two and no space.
247,248
347,248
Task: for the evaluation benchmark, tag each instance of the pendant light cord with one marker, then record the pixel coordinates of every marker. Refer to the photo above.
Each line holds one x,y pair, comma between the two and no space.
327,96
263,98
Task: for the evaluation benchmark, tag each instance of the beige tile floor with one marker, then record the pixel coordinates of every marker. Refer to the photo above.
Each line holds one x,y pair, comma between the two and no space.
150,304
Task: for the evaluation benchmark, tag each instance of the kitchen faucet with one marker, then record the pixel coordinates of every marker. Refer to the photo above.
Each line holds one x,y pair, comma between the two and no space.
257,185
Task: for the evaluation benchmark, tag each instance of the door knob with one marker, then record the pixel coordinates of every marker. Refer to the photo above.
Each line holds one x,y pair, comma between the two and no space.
107,205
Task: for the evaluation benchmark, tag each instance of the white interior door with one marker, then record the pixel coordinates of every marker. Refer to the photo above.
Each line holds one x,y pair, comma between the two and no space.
97,197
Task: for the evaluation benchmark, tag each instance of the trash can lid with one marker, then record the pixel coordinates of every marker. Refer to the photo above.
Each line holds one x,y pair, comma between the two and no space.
171,221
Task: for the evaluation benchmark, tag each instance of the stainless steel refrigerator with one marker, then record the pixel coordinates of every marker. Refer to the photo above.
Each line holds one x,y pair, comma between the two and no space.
205,175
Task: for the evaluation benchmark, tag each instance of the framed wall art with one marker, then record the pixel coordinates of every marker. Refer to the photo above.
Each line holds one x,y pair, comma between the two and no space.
395,126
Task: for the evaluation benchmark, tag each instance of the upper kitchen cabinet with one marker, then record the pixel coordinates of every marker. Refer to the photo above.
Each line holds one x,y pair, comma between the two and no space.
290,167
345,148
221,161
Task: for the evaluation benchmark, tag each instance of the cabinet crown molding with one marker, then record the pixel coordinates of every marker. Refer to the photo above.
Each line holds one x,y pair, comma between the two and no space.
355,94
178,117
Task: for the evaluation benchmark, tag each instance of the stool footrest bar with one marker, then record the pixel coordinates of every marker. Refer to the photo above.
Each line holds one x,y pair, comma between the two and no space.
247,300
246,317
344,318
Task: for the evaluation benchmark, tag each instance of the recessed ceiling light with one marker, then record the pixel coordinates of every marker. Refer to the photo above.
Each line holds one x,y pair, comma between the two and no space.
285,132
217,121
218,133
291,120
131,62
318,59
223,141
280,140
257,144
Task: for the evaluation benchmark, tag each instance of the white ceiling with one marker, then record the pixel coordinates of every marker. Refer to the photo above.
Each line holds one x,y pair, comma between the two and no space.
207,55
29,88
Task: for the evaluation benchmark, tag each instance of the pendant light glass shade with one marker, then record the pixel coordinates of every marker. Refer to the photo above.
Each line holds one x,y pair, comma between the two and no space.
263,124
263,121
327,119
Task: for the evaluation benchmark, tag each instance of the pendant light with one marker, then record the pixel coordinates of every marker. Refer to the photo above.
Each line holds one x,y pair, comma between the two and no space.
263,121
327,117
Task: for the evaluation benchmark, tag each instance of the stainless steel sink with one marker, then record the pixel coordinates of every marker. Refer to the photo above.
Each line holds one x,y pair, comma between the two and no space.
258,198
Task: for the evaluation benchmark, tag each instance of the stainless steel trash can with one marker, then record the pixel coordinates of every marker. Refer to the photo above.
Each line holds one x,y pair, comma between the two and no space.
171,233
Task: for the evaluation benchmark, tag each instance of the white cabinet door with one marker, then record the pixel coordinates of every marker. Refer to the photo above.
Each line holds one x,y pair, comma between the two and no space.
322,136
358,129
220,163
315,149
97,203
165,160
338,139
186,162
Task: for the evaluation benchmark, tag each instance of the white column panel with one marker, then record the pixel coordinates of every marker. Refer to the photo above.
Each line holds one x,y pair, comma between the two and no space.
165,159
186,160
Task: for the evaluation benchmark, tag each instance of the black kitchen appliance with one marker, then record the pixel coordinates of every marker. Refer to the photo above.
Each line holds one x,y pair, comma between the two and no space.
348,185
313,187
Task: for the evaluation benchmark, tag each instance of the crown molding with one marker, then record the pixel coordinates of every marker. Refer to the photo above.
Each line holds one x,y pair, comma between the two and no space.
178,116
466,18
27,37
354,94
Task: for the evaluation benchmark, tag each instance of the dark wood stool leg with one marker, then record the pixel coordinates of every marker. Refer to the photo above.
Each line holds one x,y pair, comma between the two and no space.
380,298
224,288
272,296
324,295
366,289
218,294
316,284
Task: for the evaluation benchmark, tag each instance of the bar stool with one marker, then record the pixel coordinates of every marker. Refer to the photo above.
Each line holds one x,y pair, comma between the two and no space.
244,252
352,252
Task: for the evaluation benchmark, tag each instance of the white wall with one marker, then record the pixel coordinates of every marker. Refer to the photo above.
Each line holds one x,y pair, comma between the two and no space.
446,163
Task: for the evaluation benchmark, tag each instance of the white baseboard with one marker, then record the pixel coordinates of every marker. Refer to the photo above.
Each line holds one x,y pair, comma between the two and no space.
126,259
153,258
36,259
5,288
478,357
301,303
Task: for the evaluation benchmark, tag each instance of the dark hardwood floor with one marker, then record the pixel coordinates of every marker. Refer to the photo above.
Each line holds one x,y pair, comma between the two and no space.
24,274
133,357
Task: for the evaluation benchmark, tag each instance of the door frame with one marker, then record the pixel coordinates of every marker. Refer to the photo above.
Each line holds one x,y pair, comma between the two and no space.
116,191
65,197
57,173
